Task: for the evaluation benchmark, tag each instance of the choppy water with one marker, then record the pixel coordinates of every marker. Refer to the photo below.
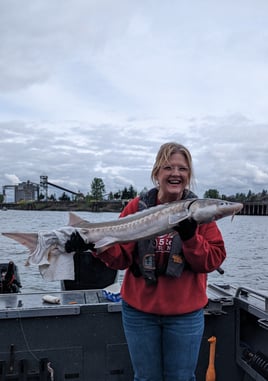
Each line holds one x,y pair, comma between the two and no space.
245,238
246,241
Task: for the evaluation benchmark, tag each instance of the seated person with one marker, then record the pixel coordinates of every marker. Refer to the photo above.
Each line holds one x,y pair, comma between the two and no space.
9,282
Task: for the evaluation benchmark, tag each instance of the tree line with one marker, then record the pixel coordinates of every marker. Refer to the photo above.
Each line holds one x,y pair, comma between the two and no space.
240,197
98,192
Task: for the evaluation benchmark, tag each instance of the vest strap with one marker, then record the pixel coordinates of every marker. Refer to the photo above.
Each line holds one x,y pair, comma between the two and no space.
145,249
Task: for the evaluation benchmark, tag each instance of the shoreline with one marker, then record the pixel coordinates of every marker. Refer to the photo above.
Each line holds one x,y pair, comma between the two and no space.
92,206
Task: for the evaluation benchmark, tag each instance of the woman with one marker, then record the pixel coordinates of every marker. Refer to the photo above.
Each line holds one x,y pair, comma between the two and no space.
164,288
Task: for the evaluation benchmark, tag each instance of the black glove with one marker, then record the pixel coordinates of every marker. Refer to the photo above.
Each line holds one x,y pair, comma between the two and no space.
77,244
186,229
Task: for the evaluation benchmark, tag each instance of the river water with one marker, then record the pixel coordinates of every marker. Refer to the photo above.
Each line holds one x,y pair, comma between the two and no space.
245,237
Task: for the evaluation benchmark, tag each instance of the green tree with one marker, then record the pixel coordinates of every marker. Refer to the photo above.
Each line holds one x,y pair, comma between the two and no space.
117,195
110,196
64,197
240,197
128,193
124,195
132,192
212,193
97,188
264,194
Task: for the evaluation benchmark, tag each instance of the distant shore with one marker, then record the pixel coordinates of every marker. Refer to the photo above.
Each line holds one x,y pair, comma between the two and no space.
253,208
93,206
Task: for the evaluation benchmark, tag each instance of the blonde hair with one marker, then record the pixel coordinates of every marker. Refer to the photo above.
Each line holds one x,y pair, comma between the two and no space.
163,156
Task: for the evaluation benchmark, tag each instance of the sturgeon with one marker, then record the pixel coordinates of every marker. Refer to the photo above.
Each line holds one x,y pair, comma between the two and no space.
45,246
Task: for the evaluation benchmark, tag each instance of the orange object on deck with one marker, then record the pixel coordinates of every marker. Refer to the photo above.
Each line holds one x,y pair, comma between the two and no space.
211,372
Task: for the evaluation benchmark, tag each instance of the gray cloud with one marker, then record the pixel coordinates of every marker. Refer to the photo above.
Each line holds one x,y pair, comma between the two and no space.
72,157
93,88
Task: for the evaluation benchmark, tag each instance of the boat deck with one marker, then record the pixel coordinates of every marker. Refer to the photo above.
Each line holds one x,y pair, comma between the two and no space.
73,300
81,338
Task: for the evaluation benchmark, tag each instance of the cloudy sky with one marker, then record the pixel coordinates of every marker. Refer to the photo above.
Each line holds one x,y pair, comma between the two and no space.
92,88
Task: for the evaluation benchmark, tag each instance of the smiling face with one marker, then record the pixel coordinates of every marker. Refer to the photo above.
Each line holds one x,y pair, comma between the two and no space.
173,177
172,171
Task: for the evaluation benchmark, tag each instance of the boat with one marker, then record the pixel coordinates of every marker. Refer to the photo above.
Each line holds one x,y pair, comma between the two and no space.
77,335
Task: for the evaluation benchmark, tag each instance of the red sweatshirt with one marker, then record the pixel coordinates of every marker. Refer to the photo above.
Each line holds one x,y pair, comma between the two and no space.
204,252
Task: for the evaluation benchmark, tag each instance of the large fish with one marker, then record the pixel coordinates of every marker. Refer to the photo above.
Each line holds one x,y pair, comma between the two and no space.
46,246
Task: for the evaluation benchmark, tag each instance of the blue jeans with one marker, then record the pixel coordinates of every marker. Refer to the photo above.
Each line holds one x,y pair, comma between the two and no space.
163,348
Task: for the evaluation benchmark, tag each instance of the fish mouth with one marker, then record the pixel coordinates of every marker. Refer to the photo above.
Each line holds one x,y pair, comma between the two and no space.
237,210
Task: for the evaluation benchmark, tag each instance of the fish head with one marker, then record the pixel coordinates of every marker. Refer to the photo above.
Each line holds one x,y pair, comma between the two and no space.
208,209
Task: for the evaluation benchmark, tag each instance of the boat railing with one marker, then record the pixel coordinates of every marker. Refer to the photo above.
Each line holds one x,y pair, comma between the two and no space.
252,295
251,332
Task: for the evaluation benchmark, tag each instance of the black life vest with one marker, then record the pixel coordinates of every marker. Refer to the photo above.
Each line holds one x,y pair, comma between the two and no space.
145,249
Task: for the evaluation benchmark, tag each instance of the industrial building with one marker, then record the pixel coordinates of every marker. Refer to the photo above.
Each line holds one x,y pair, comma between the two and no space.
29,191
25,191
